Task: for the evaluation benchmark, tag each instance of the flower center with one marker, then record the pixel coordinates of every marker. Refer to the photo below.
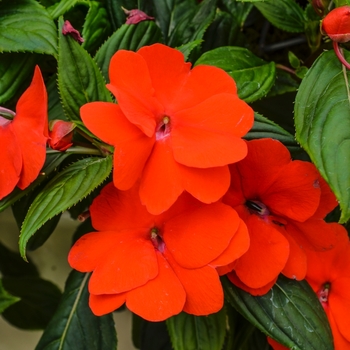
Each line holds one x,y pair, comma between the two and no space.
163,128
157,241
258,208
323,294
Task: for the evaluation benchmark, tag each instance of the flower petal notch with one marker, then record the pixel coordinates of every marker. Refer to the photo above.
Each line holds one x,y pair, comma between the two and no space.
24,137
173,126
283,203
153,264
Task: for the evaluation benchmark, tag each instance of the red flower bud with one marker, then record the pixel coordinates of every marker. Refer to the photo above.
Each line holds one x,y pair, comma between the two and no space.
337,24
136,16
68,29
60,135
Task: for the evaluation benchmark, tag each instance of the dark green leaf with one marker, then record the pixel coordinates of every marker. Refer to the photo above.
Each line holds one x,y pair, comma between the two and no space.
186,49
322,121
254,77
6,299
55,106
238,10
96,26
197,332
79,79
26,26
74,327
265,128
290,313
283,83
12,264
51,163
67,188
283,14
153,335
16,70
128,37
39,300
61,8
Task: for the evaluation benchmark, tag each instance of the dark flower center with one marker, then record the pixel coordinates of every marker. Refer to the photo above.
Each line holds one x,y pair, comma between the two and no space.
163,128
323,294
257,207
157,240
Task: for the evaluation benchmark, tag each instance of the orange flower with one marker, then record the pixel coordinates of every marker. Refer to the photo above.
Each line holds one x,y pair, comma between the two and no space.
283,203
159,265
328,273
174,128
23,139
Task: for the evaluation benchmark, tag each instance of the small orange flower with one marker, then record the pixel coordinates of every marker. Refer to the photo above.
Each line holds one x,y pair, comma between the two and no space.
174,128
157,265
328,273
283,203
23,139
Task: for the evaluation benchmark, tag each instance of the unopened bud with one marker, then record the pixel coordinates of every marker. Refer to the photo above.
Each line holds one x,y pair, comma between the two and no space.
60,135
68,29
136,16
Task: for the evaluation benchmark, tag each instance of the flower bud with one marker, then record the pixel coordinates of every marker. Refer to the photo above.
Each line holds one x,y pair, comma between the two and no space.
337,24
136,16
60,135
68,29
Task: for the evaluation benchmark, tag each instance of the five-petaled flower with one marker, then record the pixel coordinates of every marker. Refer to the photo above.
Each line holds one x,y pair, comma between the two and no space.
23,139
283,203
174,128
161,264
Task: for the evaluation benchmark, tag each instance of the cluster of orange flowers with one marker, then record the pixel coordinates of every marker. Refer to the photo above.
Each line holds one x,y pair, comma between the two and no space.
190,200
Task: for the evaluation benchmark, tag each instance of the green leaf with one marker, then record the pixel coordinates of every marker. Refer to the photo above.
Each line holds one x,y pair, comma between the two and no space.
265,128
283,14
290,313
238,10
127,37
6,299
39,300
79,79
26,26
51,164
322,121
61,8
283,83
64,190
73,326
186,49
254,77
96,26
197,332
16,70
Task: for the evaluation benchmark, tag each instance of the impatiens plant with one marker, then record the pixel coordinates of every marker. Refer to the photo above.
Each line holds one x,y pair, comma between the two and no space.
202,149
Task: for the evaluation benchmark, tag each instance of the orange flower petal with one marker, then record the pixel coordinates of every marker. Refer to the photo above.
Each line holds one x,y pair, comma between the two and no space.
275,345
238,246
160,298
208,134
204,294
203,236
313,234
234,196
328,201
295,193
296,264
232,276
266,256
115,210
265,160
339,304
120,260
104,304
340,342
131,84
202,83
167,70
161,182
31,128
132,147
207,185
10,160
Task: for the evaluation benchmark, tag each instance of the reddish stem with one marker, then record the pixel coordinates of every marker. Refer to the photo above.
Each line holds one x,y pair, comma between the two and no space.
340,55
